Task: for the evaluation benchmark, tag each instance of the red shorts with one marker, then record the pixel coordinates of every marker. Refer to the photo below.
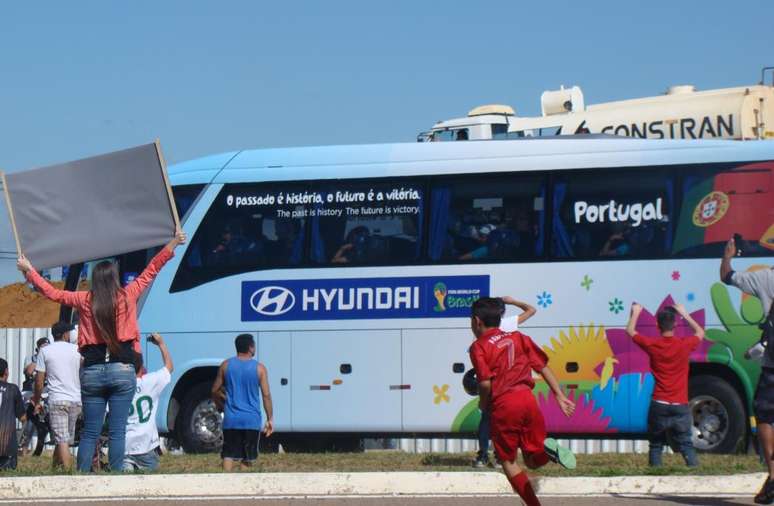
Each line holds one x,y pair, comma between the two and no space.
517,423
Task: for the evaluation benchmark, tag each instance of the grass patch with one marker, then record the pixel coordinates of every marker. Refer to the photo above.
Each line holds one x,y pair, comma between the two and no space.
609,464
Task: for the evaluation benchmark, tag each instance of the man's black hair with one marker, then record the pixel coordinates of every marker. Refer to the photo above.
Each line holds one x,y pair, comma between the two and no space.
666,319
138,362
488,310
243,343
3,366
60,328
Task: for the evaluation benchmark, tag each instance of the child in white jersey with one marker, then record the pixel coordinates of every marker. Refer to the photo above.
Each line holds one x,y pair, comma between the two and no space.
142,435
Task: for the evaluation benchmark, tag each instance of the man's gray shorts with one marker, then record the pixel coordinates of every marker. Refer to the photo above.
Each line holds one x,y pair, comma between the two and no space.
62,416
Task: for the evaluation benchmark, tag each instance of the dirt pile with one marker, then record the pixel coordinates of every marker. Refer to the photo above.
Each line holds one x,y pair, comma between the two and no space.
21,307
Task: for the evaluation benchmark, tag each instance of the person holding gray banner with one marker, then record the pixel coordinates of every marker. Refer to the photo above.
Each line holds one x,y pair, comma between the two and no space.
108,337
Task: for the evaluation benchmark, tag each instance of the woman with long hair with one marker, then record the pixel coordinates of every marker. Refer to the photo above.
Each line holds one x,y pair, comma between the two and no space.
108,338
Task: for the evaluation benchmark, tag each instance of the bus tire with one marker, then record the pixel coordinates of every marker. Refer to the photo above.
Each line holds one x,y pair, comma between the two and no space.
719,420
200,424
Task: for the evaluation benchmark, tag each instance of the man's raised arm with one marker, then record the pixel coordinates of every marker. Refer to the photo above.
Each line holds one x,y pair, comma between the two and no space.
527,310
725,264
695,327
165,355
633,317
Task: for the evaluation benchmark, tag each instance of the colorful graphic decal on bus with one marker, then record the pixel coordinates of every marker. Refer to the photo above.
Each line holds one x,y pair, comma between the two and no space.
741,331
710,209
717,206
612,211
366,298
609,376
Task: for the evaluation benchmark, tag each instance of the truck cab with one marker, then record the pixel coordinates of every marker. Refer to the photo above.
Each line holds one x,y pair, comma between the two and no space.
682,112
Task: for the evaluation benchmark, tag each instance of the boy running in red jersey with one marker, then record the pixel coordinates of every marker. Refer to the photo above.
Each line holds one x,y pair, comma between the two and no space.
504,362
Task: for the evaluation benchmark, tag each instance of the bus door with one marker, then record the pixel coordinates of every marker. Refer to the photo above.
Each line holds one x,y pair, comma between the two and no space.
274,353
434,363
346,381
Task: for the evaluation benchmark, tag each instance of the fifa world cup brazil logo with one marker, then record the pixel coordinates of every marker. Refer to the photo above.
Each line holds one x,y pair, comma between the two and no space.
440,291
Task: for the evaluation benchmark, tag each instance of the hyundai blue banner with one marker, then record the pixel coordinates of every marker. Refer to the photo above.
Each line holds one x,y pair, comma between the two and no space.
362,298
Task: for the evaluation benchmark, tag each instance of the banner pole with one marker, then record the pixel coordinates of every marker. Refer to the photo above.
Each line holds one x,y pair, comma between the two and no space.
164,174
10,213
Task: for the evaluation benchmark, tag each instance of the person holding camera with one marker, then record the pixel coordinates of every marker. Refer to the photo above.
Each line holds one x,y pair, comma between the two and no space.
142,434
760,284
37,422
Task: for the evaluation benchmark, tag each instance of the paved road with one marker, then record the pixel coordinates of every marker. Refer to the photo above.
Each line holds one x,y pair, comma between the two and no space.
436,501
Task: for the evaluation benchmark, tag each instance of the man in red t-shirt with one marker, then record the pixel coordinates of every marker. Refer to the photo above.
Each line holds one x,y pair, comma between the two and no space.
669,362
504,362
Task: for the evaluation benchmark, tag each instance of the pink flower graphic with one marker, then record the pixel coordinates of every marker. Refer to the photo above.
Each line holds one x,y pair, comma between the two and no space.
676,275
586,418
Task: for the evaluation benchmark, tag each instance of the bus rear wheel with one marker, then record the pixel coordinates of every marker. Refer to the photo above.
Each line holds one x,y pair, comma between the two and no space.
200,424
719,422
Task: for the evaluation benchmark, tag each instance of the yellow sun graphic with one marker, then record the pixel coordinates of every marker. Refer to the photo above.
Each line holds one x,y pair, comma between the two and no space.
574,357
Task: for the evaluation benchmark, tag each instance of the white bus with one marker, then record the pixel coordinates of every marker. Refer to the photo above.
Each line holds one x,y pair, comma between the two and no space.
355,267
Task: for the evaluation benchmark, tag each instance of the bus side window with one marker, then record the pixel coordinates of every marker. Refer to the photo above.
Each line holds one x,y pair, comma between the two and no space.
130,265
613,214
443,136
720,202
368,223
185,195
246,229
499,131
487,218
550,131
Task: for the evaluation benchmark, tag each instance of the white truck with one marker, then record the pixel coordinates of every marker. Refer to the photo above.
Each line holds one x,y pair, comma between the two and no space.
741,113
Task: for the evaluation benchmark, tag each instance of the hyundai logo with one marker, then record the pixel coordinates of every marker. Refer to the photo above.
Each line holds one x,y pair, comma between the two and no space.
272,300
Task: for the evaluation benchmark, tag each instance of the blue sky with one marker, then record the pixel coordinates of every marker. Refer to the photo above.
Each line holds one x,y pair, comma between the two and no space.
81,78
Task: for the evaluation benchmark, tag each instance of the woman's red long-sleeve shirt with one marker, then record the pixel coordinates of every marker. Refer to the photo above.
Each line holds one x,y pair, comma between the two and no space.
126,305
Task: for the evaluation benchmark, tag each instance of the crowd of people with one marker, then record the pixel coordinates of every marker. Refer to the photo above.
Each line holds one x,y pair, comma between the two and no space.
100,374
105,372
102,379
504,360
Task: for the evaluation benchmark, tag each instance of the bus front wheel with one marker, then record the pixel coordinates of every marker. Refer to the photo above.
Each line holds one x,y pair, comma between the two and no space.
200,424
719,422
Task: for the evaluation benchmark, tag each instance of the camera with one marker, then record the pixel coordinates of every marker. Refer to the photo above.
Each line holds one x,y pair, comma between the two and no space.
767,333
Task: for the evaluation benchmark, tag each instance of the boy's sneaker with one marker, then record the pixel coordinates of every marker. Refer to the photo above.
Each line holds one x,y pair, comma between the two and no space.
559,454
480,463
766,494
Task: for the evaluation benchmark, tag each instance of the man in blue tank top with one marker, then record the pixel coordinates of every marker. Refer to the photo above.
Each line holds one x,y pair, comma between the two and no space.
235,391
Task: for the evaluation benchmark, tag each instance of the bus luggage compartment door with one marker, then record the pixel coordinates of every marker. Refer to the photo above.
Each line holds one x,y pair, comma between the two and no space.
436,396
342,381
274,353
